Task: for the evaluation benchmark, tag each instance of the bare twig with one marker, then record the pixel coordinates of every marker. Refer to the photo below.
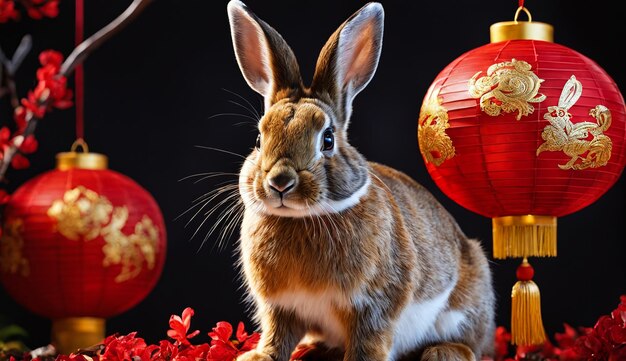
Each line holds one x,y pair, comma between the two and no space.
8,68
76,57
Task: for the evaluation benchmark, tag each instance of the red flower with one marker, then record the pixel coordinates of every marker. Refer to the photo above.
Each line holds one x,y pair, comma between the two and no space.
5,135
32,104
51,88
122,348
29,145
20,118
223,349
19,161
39,9
51,57
4,197
567,338
503,340
180,327
7,11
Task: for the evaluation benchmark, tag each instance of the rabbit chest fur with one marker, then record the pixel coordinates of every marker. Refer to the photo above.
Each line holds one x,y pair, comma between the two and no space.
335,249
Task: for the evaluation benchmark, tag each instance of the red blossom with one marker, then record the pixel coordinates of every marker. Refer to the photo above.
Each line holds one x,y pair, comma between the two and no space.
180,326
122,348
51,57
29,145
225,349
502,343
4,197
38,9
19,161
19,115
7,11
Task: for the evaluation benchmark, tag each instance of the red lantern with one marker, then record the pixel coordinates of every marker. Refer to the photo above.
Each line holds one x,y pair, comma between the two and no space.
81,243
523,131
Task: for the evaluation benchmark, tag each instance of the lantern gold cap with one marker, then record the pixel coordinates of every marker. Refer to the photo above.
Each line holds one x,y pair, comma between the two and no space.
521,30
81,160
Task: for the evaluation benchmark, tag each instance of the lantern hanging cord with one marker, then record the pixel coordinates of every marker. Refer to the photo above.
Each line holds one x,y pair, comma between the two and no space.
521,3
79,80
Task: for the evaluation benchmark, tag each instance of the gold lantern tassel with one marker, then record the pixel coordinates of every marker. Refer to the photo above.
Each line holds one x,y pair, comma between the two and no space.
526,323
524,236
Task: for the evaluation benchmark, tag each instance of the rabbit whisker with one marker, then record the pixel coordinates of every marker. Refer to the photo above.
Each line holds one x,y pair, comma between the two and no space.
245,100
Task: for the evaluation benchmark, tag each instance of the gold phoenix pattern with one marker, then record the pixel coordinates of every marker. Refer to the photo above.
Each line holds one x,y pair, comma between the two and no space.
84,213
508,87
11,259
435,145
573,138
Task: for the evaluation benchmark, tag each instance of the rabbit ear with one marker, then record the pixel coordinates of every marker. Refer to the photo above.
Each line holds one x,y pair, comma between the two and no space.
571,93
266,61
350,57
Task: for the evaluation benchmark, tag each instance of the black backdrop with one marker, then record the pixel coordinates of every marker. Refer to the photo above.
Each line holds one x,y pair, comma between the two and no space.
151,92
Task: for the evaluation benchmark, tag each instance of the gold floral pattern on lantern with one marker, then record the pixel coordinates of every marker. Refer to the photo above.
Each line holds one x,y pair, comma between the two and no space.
131,251
84,213
574,138
11,243
435,145
508,87
81,213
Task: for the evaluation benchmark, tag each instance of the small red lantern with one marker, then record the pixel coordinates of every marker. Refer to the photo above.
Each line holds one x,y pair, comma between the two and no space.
523,131
81,243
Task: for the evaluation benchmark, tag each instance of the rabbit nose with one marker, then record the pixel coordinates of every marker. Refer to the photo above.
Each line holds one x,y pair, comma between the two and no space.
282,183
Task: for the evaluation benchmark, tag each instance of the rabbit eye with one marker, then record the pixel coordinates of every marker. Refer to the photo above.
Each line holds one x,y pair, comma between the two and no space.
258,142
328,139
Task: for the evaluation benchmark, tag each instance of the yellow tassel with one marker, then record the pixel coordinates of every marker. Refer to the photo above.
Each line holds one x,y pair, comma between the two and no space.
524,236
526,323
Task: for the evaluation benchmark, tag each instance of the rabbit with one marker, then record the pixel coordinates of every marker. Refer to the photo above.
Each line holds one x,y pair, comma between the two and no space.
572,138
335,249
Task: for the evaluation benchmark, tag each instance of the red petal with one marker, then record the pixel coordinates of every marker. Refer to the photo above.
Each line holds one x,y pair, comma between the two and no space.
50,9
222,331
241,332
29,145
187,314
4,196
19,162
52,57
5,134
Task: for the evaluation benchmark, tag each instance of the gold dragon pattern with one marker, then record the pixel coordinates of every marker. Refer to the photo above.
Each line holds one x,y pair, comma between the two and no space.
508,87
573,138
11,244
435,145
83,213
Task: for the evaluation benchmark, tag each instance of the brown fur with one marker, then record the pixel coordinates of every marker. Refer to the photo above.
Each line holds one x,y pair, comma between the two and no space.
369,261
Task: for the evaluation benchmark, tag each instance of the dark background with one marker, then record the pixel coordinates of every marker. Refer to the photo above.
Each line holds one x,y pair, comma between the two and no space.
151,92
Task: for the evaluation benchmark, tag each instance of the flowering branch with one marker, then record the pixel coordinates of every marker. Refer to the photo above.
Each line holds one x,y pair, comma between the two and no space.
53,92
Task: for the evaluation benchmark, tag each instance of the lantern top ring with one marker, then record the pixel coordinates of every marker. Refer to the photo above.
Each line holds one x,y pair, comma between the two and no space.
80,142
521,8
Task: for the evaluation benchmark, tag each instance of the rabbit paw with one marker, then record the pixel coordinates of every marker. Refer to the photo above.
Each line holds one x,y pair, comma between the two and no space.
254,355
448,352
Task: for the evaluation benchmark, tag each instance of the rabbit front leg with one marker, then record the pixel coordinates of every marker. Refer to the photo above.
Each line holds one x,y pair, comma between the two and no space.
370,336
281,333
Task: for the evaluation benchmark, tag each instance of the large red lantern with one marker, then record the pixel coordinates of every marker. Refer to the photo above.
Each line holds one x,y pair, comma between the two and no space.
523,131
81,243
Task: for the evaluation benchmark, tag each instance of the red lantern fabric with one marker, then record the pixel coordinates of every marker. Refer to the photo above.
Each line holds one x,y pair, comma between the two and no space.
81,242
523,127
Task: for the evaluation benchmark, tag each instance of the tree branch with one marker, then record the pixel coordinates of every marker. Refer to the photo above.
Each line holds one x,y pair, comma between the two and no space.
76,57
